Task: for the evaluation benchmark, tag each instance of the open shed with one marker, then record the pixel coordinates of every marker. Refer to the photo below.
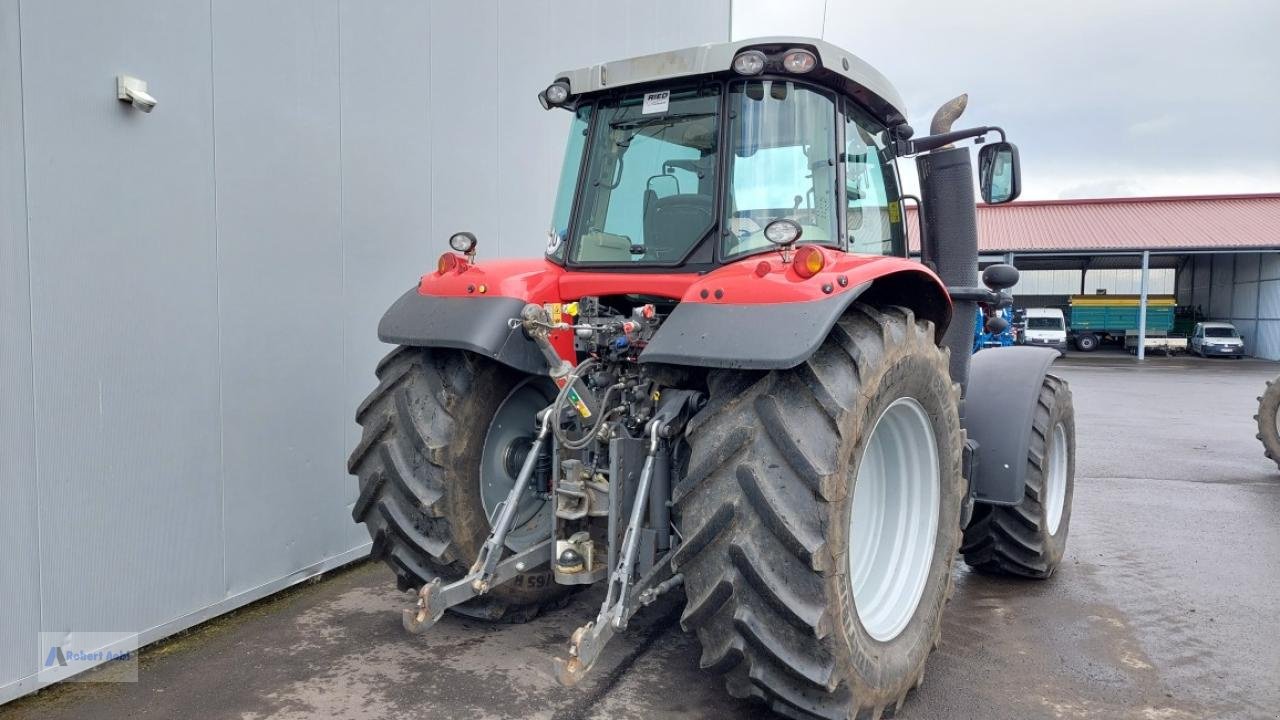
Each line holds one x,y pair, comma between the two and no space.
1220,254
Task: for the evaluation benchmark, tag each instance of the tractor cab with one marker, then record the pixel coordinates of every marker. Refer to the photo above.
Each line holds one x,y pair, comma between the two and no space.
683,159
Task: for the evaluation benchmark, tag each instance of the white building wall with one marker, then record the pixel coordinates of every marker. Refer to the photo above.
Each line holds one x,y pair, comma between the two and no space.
189,298
1113,281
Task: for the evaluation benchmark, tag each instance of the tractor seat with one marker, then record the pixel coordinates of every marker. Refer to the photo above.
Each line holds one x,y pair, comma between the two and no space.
673,224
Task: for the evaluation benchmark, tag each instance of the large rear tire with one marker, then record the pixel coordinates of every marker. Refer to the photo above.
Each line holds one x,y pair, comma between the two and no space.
1268,431
820,520
419,464
1029,539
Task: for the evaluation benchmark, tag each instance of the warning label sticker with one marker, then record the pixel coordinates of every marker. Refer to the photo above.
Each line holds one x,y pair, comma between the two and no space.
576,401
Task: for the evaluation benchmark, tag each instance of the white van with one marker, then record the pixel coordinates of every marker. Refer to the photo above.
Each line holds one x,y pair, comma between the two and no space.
1046,327
1217,338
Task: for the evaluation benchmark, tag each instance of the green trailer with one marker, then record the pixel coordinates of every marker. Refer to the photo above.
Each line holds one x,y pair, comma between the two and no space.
1096,319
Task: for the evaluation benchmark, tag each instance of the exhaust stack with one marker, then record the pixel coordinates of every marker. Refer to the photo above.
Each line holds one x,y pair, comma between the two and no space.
949,230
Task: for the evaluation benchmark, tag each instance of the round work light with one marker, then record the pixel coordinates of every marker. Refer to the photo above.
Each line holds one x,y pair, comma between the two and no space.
750,62
799,61
782,231
557,93
463,242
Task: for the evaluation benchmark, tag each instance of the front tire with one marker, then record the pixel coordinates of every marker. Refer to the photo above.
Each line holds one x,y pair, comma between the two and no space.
785,468
419,464
1087,342
1029,539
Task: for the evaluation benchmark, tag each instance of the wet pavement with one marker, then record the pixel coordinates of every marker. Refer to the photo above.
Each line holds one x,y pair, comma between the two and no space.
1167,606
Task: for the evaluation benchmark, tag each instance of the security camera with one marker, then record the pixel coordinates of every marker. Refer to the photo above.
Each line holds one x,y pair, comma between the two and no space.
134,91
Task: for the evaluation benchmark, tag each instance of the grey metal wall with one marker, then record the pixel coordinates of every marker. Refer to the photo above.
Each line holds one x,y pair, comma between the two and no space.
1243,289
188,298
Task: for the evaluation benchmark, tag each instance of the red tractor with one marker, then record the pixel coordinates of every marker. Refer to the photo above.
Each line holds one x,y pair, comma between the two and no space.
726,376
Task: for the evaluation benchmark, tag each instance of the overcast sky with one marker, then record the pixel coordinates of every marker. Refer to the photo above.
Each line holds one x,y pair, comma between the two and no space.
1103,99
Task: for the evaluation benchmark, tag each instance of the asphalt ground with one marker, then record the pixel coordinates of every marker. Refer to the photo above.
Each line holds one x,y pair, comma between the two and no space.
1166,607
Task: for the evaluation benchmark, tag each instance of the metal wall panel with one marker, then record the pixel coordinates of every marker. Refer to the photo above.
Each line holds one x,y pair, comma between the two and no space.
1117,281
1112,280
1247,266
182,362
1182,284
464,128
1239,297
759,18
1220,290
124,313
1267,339
19,562
276,144
1270,266
1244,301
1201,280
1267,335
1248,330
1269,300
526,181
386,191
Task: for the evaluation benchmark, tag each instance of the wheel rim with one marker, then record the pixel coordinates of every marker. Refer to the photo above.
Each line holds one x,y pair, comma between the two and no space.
893,524
1056,481
507,442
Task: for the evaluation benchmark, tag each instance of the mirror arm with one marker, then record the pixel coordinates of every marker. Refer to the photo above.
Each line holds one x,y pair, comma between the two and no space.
903,147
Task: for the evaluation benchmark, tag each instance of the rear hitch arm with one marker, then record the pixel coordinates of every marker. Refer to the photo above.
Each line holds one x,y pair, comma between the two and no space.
587,641
486,572
624,599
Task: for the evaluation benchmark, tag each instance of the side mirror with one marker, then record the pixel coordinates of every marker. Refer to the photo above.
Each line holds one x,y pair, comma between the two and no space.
999,175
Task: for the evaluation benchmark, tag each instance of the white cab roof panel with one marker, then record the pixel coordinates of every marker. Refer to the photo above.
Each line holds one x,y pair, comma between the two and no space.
871,88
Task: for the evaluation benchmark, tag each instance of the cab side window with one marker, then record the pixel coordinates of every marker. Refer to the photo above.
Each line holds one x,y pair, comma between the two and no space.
873,207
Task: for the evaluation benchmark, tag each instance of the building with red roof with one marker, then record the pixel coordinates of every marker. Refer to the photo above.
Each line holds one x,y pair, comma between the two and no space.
1223,250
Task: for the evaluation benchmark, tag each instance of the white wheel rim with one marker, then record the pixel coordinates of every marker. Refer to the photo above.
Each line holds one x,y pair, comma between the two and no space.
1056,480
893,523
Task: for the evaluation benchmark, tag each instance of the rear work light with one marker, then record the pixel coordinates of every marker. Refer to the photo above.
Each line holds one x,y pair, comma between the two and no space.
809,261
750,62
799,61
463,242
557,93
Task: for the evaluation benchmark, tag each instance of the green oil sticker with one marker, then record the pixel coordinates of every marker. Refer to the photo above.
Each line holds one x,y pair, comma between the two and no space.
580,406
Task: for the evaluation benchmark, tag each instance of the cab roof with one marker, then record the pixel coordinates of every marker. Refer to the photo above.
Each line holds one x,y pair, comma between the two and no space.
837,68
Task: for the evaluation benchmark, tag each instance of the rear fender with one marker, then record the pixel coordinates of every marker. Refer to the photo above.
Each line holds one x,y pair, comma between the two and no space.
997,412
477,324
737,318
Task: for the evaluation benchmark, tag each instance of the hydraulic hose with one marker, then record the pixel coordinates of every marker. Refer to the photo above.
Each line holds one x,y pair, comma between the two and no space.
598,425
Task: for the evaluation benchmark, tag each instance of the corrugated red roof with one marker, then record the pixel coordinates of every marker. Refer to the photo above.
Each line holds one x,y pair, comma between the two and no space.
1199,222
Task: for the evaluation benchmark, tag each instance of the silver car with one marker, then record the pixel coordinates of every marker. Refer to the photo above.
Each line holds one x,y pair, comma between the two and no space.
1217,338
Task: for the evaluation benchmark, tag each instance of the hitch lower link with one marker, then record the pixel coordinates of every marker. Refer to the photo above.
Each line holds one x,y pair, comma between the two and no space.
486,572
620,603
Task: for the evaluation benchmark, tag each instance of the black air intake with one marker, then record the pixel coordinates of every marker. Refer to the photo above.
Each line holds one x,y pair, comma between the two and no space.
949,241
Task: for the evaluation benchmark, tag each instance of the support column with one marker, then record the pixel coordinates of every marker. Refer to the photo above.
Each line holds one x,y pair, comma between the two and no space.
1142,305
